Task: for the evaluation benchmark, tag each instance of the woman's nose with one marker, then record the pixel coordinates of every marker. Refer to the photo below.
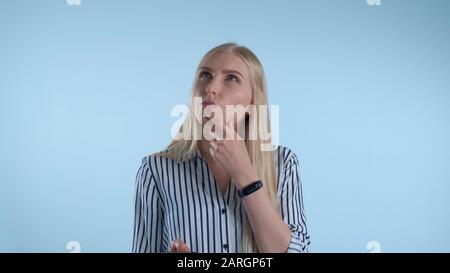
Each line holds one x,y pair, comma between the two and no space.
211,88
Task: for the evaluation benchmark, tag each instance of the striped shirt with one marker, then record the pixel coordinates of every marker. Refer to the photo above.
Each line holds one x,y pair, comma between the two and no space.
180,199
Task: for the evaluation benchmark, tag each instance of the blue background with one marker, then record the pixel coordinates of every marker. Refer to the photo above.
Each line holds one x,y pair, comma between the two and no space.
364,94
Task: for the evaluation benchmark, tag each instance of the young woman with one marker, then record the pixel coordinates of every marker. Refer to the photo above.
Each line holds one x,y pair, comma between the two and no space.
217,194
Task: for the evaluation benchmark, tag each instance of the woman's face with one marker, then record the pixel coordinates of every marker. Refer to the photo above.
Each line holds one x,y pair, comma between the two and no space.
224,78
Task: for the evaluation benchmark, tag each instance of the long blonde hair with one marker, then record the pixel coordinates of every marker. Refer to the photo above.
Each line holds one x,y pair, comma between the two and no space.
185,146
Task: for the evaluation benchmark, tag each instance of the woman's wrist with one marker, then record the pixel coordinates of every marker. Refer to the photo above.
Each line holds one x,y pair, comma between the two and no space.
246,178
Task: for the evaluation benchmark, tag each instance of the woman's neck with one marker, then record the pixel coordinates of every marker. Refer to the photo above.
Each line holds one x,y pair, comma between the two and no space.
203,146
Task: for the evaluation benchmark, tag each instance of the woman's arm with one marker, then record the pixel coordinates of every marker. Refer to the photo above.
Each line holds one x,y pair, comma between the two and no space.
148,217
291,203
273,232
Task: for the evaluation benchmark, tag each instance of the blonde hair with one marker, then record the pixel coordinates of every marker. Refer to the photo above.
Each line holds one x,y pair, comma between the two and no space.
263,161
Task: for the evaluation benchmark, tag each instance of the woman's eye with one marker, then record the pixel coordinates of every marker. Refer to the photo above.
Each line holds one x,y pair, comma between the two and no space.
232,78
205,75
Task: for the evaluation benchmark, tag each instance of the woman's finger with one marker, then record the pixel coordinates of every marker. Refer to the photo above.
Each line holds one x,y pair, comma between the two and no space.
184,248
230,133
175,245
214,144
178,245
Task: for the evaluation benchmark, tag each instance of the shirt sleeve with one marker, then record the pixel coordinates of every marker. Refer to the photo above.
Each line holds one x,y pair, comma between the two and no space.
148,216
291,204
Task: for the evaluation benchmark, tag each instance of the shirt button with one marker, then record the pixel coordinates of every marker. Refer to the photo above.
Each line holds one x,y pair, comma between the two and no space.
224,211
225,246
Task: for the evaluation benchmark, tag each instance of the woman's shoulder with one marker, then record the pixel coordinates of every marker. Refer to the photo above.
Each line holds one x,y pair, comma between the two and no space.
157,163
285,155
151,161
149,168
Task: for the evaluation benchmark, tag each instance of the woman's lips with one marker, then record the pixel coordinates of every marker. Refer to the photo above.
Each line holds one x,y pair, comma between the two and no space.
208,115
208,102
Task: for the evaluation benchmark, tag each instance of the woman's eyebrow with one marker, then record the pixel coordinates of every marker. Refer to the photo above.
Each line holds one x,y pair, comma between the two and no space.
205,68
232,71
225,71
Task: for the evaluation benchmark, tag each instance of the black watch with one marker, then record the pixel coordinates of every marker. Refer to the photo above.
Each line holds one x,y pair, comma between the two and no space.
252,187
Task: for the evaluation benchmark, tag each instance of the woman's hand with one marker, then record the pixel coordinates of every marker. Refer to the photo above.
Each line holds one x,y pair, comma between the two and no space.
232,155
178,245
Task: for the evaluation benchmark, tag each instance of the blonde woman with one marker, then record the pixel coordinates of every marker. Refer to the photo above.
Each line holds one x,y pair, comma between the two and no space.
218,194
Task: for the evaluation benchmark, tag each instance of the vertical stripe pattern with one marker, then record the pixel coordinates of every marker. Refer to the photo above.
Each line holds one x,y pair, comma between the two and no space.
175,199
